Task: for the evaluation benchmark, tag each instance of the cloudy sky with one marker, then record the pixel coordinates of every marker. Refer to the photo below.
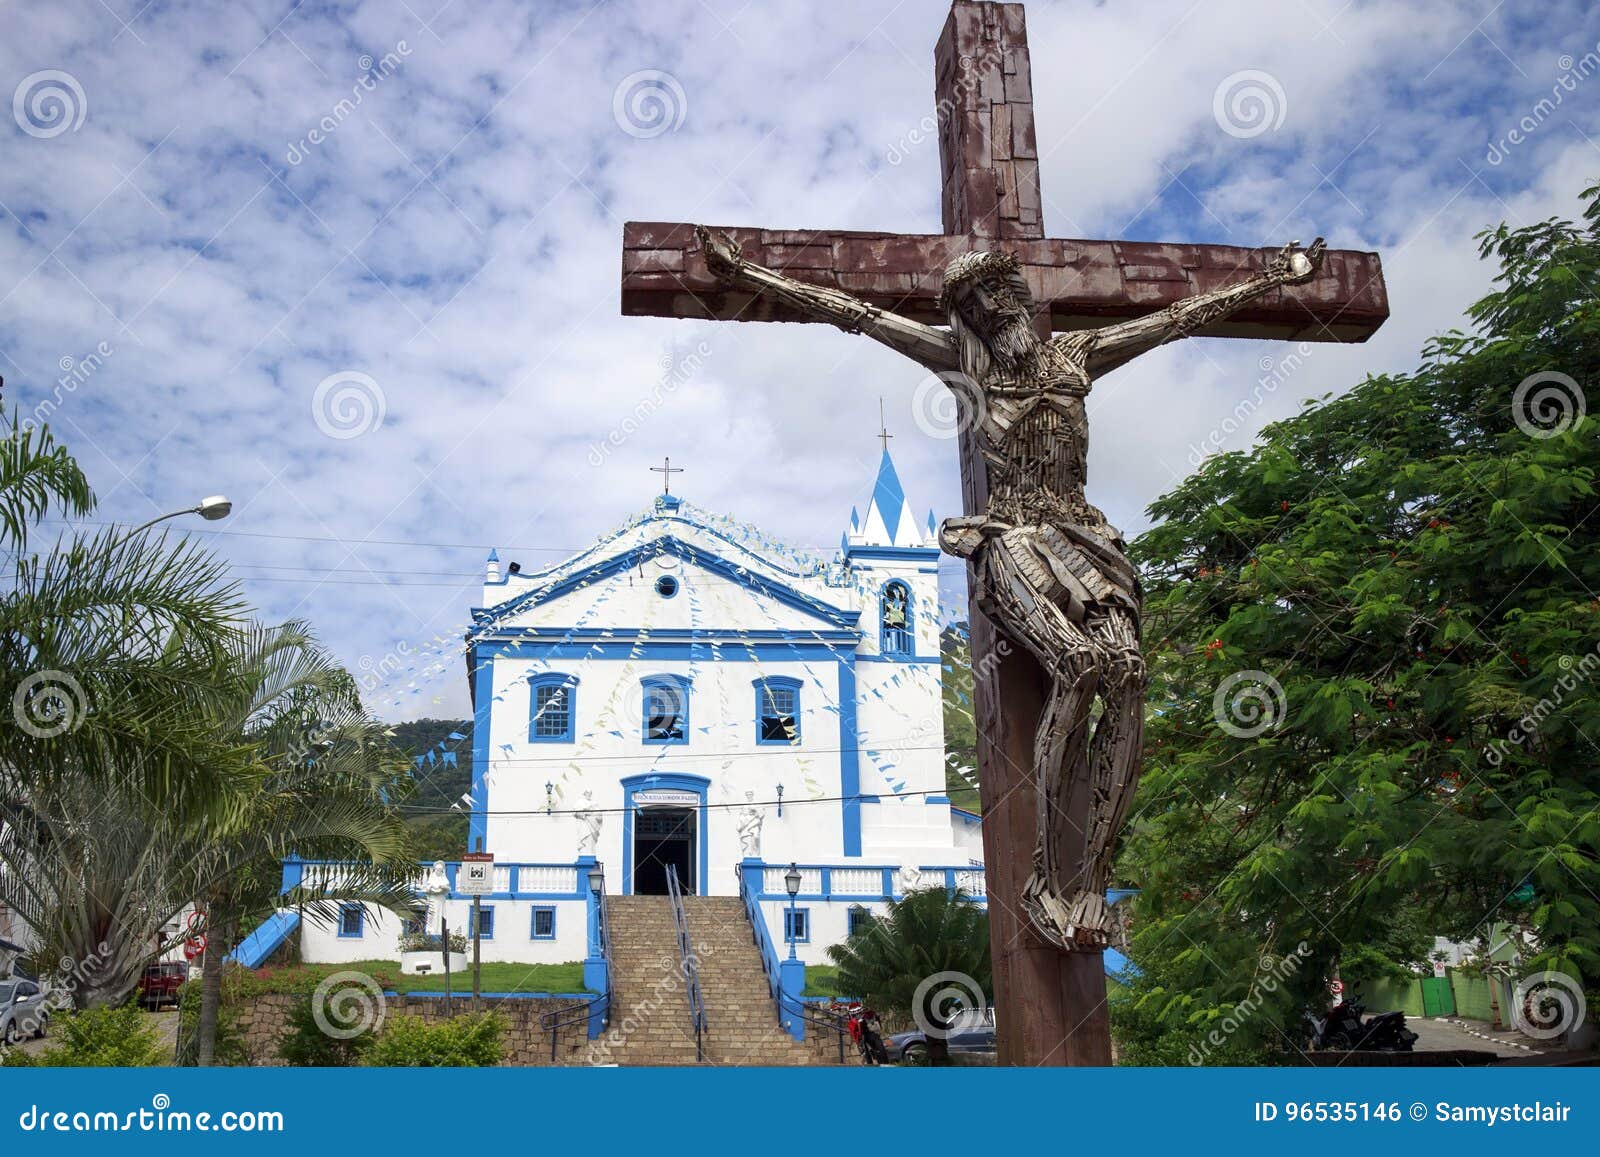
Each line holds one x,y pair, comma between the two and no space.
397,343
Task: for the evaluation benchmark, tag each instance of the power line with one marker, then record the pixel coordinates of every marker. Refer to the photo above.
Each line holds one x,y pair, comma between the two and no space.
622,810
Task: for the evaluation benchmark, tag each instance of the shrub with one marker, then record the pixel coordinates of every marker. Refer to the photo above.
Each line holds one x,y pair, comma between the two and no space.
411,1042
306,1044
426,942
104,1037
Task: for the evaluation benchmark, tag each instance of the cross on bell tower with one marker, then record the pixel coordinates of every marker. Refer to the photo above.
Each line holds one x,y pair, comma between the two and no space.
667,470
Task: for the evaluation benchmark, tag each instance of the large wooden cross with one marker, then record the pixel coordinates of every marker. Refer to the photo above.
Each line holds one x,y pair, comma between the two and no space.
1052,1006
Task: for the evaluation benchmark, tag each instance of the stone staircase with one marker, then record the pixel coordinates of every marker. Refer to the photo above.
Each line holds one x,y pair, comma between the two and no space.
649,1023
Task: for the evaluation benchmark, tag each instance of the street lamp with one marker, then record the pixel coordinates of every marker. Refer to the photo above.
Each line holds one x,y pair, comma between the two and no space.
210,509
791,881
597,879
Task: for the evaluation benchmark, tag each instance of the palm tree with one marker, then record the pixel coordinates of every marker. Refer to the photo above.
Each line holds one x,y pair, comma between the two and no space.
325,786
109,645
928,954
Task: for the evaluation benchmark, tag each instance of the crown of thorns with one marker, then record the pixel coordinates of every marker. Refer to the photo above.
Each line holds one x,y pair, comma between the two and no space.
983,265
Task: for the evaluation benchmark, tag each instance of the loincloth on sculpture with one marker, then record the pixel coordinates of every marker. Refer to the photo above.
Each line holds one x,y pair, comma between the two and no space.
1079,568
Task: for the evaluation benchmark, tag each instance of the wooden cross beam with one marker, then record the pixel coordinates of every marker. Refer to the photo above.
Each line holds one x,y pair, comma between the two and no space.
1051,1004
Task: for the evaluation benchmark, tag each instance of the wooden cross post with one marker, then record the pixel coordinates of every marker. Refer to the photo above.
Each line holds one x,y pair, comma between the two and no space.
1052,1008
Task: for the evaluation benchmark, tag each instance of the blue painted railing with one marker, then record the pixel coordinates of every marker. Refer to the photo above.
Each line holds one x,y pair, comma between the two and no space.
886,879
524,881
786,979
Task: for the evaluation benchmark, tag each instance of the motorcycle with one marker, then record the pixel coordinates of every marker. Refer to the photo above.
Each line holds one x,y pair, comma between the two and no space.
867,1032
1342,1029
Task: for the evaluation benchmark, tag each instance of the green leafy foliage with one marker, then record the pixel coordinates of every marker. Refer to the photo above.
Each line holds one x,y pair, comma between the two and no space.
104,1038
305,1044
1417,572
463,1042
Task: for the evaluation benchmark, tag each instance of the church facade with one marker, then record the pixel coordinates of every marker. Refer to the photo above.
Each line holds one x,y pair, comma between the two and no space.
689,697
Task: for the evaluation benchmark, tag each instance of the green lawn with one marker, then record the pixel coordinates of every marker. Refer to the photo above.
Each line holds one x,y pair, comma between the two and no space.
497,977
823,980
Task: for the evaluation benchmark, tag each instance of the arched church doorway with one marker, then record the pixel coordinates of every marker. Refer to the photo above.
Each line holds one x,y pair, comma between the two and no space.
664,837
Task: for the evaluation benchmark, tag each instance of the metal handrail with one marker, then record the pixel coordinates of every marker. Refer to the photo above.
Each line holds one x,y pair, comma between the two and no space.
781,1001
691,971
553,1022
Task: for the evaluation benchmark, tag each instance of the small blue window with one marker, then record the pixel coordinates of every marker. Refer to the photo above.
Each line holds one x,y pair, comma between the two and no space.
797,925
778,711
544,924
551,709
857,920
666,709
898,636
666,586
485,920
352,921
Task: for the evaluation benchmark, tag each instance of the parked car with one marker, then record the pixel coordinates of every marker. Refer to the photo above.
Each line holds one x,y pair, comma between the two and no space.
22,1010
971,1032
160,983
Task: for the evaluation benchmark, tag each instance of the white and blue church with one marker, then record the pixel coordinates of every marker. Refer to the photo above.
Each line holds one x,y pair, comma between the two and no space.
690,698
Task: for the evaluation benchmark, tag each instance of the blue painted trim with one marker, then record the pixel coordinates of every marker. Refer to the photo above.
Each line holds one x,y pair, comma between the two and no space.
669,544
892,553
931,799
909,630
970,817
788,931
677,634
553,679
482,716
682,686
486,919
849,761
361,921
779,682
533,922
926,660
690,652
852,914
669,781
888,495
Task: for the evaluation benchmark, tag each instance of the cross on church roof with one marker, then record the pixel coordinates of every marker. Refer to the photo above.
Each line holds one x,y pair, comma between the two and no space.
883,427
667,471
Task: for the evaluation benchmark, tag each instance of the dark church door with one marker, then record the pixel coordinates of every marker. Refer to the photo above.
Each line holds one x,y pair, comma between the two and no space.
663,837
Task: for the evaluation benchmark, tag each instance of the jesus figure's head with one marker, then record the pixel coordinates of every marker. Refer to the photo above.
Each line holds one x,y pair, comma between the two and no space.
991,312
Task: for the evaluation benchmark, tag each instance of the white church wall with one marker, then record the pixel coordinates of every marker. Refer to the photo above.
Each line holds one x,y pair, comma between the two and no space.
511,940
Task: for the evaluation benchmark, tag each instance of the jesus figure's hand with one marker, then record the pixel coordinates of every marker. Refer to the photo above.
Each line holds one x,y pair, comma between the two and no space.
1296,266
723,256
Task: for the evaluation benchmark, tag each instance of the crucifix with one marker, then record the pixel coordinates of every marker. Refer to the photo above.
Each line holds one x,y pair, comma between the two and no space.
666,470
1023,325
883,427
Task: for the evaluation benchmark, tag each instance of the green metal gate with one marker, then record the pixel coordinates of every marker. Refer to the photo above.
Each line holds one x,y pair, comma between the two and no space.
1437,999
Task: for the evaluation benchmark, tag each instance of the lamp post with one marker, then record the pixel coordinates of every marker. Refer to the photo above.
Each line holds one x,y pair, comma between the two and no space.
210,509
791,881
780,801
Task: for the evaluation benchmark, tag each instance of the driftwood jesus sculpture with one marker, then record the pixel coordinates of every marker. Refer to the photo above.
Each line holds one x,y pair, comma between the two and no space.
1047,566
980,303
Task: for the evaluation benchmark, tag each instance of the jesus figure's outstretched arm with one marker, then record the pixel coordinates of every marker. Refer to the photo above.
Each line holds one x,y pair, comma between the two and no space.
1126,340
931,347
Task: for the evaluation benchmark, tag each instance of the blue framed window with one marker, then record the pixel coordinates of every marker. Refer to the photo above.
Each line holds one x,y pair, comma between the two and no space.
486,918
551,708
352,921
857,920
666,709
543,924
778,711
666,586
897,635
797,925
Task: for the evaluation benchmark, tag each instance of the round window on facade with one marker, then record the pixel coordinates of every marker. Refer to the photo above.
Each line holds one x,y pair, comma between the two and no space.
666,586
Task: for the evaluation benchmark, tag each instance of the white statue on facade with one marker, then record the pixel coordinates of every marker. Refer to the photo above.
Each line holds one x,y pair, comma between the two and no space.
909,878
589,820
437,888
750,820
